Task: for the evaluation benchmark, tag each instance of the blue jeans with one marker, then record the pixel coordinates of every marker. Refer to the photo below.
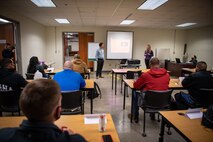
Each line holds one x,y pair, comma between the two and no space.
184,101
136,103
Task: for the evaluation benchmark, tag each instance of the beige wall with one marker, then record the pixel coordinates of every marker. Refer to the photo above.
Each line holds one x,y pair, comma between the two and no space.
200,43
156,37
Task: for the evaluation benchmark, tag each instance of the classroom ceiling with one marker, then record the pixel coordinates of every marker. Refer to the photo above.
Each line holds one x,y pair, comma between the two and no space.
112,12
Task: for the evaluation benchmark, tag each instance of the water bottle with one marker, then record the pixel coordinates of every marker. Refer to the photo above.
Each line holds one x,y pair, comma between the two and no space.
102,124
37,75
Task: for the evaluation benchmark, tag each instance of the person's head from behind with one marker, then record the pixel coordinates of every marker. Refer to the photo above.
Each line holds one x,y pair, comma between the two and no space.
154,63
76,56
148,47
201,66
33,61
41,100
7,63
101,45
68,65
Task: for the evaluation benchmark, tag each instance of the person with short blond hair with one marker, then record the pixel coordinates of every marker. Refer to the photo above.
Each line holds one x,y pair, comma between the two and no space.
40,102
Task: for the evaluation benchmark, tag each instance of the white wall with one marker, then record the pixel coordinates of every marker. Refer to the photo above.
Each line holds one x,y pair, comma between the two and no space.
32,38
200,43
158,38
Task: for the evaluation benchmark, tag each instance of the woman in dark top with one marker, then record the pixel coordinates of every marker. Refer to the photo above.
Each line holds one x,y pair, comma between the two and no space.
148,54
34,65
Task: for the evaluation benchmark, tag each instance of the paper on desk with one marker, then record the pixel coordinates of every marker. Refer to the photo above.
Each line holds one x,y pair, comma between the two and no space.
92,119
50,69
194,113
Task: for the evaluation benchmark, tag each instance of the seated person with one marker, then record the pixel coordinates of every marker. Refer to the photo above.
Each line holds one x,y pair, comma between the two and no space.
9,79
194,60
40,102
155,79
34,65
79,65
68,79
200,79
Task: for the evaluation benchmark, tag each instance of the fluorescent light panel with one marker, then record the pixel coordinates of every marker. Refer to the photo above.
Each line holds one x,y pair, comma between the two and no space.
62,21
43,3
3,20
152,4
185,24
127,22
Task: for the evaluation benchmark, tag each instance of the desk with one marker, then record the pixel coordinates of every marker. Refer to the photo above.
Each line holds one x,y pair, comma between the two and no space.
189,129
129,66
89,87
173,84
122,72
74,122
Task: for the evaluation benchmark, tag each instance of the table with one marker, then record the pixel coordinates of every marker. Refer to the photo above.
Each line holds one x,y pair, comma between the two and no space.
89,87
174,84
129,66
122,72
74,122
189,129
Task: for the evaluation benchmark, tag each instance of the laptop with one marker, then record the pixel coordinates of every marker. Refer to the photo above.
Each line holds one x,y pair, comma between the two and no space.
177,60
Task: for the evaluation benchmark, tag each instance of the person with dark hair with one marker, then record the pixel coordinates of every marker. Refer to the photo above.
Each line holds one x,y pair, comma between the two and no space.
8,51
34,65
193,83
148,54
194,60
155,79
79,65
40,102
9,79
100,60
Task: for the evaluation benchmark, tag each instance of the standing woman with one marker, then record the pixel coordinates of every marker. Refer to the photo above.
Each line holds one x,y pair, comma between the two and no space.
148,54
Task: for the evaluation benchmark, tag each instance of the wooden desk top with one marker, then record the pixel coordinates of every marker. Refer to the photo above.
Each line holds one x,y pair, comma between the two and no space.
192,70
59,70
75,123
191,128
173,83
125,70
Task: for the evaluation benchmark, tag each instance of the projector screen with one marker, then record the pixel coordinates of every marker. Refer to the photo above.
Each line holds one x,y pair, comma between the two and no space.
119,45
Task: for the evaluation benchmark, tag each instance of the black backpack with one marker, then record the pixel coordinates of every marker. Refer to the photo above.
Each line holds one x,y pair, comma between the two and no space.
96,93
207,119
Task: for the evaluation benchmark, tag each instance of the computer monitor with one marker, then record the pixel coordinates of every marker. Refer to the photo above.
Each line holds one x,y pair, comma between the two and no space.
123,61
177,60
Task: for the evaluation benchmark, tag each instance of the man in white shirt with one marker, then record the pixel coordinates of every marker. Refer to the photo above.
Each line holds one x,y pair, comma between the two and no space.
100,60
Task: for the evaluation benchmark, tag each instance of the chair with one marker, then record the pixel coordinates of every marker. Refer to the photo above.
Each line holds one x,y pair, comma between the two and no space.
71,101
29,75
207,97
155,101
9,102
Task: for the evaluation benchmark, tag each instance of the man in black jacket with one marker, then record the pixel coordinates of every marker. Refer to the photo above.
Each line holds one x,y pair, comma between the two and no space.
40,101
9,79
193,83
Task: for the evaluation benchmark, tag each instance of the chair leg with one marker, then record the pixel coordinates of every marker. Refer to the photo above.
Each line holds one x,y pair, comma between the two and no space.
144,122
169,131
158,117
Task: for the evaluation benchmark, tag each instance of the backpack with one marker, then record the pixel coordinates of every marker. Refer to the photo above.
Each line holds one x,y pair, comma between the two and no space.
207,119
96,92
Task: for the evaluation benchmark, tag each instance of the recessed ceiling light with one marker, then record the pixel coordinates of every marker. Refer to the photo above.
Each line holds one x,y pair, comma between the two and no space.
185,24
127,22
43,3
62,21
152,4
3,20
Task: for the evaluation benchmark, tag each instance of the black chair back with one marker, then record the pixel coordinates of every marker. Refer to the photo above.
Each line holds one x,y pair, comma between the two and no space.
206,98
157,99
29,75
133,74
9,101
72,100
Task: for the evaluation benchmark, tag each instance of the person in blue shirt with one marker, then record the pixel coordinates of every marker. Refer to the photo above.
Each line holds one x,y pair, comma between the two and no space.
68,79
100,60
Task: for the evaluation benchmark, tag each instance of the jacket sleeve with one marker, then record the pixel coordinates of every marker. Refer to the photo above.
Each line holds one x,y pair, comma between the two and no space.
140,82
96,55
82,83
21,81
188,81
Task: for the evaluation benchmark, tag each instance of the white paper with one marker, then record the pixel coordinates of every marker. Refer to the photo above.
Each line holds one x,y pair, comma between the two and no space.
50,69
92,119
194,113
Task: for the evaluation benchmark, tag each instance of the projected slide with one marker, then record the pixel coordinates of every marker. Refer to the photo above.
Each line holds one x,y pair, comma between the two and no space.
119,45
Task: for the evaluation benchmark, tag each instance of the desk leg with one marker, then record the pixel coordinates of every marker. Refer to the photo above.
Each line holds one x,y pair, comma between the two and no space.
112,79
115,83
124,102
91,102
162,130
132,106
89,76
121,82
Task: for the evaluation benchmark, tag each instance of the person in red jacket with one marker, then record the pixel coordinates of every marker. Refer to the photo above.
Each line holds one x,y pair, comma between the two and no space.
155,79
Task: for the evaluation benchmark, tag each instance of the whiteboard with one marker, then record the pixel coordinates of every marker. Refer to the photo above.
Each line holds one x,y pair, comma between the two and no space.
92,47
163,53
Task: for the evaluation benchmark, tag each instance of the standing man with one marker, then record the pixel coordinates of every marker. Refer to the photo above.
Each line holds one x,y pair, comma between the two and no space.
148,54
100,60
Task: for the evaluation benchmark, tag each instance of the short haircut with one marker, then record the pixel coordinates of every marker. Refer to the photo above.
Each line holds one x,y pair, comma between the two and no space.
76,56
100,44
39,98
5,62
201,66
154,61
